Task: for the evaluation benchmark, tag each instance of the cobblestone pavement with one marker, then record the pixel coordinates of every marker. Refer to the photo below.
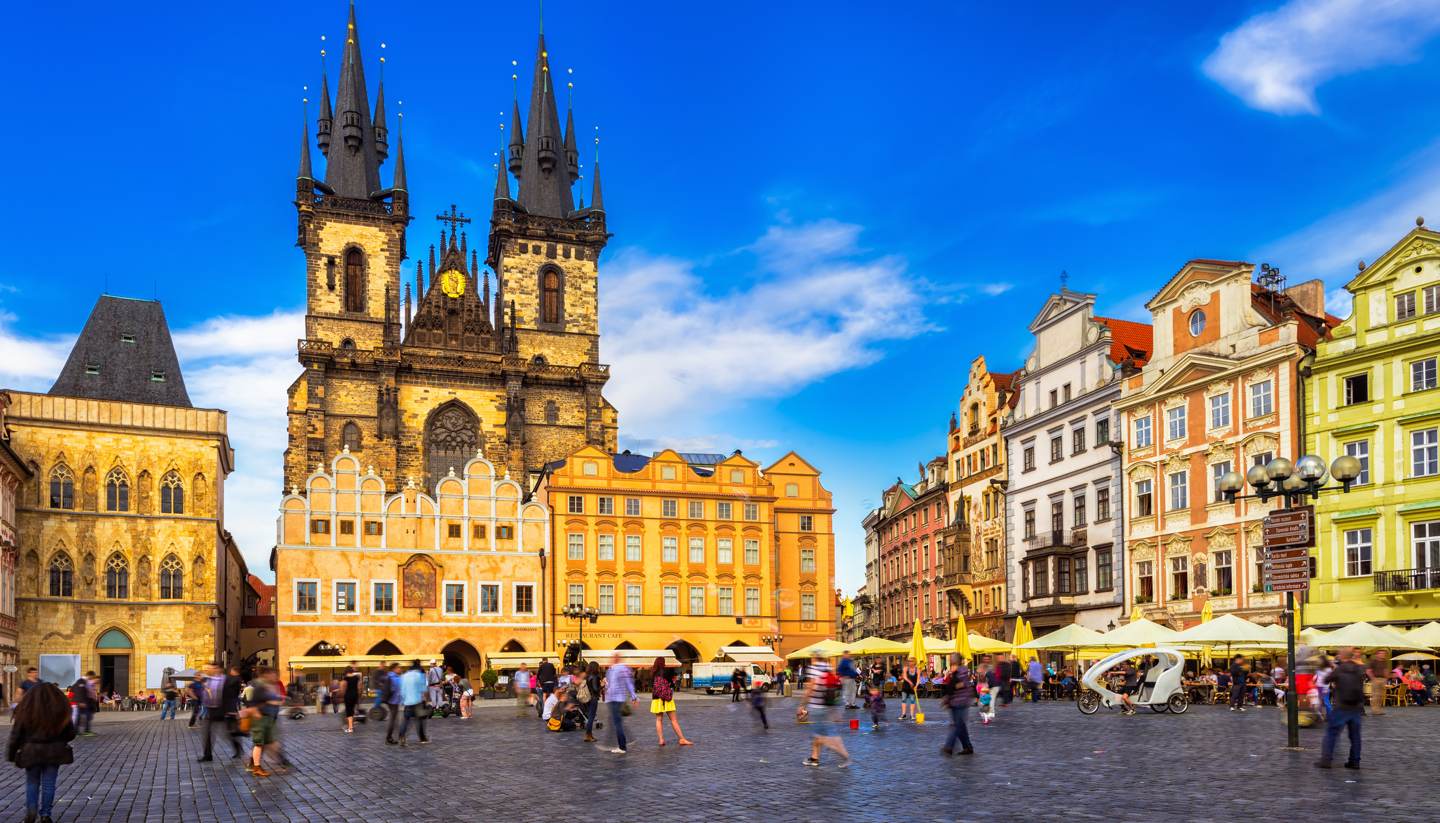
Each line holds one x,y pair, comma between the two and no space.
1208,764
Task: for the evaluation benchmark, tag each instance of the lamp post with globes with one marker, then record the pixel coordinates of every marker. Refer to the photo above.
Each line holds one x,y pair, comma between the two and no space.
1294,482
584,614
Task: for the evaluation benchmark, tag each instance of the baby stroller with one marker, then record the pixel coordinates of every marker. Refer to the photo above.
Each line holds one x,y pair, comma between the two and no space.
449,703
569,719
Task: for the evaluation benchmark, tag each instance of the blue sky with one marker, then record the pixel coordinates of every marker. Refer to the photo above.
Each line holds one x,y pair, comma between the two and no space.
822,211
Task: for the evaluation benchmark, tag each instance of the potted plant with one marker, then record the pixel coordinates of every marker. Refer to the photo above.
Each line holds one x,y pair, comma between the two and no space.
488,677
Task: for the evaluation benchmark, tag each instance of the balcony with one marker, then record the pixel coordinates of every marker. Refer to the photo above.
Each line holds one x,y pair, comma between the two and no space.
950,580
1406,581
1058,539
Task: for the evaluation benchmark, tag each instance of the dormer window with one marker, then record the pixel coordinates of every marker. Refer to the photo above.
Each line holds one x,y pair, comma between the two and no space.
157,377
92,368
127,338
1197,322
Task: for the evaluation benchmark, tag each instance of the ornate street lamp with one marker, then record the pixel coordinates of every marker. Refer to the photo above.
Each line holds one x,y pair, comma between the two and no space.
584,614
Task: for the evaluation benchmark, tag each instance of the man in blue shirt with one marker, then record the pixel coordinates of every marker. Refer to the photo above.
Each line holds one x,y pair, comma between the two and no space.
412,695
848,673
619,690
391,693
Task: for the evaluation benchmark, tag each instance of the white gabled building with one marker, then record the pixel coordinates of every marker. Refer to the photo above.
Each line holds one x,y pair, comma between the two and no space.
1064,535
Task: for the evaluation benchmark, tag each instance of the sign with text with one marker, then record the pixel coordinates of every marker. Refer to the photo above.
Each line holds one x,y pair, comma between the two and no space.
1290,528
1289,533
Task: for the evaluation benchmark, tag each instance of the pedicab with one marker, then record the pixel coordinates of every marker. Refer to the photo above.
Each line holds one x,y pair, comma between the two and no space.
1162,689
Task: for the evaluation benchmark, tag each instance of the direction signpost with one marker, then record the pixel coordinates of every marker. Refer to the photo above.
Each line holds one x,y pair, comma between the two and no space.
1289,534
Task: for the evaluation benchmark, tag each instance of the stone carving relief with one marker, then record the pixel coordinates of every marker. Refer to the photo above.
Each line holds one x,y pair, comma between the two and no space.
1194,296
1419,248
1259,445
1142,551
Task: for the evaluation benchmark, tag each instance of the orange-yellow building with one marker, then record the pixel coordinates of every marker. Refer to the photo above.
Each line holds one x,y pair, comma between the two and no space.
691,552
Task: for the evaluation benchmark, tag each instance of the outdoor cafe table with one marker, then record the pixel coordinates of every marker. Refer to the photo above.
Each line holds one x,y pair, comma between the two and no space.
1200,691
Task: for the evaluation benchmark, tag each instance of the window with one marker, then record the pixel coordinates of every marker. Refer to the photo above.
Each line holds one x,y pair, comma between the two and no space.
589,468
62,576
669,508
157,377
1427,554
697,600
697,550
632,507
1405,306
454,598
1179,491
452,530
550,296
345,597
575,595
1262,459
1062,575
1104,572
504,532
752,552
1081,580
724,551
1224,573
1028,458
307,596
607,598
1422,374
632,548
1079,509
117,577
490,598
1424,453
172,578
92,368
1197,322
1041,570
669,550
737,475
117,491
792,489
1175,423
1432,299
354,281
1057,449
575,547
524,598
1357,389
752,511
1054,398
697,509
1179,577
172,494
605,505
1077,441
1358,546
752,601
1057,516
350,437
382,597
576,504
633,601
807,561
667,472
1029,522
1102,504
1220,411
372,529
724,511
1145,575
1142,432
726,600
605,547
1262,398
1360,450
62,488
807,523
807,605
1065,393
1217,471
552,416
1102,431
1144,501
670,599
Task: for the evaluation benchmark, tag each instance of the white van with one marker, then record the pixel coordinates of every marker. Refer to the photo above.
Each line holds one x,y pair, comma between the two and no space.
715,677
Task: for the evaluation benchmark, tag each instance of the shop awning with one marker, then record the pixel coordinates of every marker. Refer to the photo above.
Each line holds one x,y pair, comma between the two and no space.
316,661
749,654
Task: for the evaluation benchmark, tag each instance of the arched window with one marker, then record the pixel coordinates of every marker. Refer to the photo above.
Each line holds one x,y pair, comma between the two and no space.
354,281
451,438
62,576
117,577
550,297
172,494
62,487
172,578
552,412
117,491
350,437
347,344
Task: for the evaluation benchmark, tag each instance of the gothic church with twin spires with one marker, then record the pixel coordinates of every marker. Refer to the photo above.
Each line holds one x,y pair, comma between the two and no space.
417,372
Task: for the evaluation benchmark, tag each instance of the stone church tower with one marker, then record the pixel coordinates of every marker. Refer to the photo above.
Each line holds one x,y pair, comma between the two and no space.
415,385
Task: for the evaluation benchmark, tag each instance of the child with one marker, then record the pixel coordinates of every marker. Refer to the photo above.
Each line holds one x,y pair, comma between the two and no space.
987,714
875,701
757,705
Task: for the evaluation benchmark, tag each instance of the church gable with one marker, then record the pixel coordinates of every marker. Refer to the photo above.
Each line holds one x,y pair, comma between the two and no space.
454,311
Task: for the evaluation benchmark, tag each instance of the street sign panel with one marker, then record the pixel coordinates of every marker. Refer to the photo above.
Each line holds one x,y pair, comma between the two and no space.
1277,569
1290,527
1287,554
1296,586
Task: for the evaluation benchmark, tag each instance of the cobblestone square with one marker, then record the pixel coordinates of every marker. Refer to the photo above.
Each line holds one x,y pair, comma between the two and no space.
1035,761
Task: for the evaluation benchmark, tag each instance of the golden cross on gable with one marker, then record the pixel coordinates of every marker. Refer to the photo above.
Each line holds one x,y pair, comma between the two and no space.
455,218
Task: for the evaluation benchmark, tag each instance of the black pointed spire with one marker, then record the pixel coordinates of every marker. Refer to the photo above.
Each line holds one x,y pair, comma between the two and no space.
502,182
327,117
304,173
382,142
517,142
354,167
597,203
399,184
572,156
544,181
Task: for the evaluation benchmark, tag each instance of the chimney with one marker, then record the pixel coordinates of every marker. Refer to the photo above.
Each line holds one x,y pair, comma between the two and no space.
1309,296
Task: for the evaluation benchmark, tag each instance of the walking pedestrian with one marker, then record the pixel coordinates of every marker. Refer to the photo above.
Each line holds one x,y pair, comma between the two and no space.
1005,673
222,695
379,679
619,687
392,701
322,698
819,700
262,708
412,694
875,702
587,694
548,681
780,678
1347,704
662,702
32,679
40,735
957,691
196,691
434,684
351,695
757,705
737,684
1379,676
86,701
909,684
172,696
848,674
1238,676
522,682
1034,678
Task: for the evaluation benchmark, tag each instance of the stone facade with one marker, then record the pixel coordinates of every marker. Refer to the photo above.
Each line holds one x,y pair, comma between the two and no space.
689,554
910,530
125,582
14,477
400,574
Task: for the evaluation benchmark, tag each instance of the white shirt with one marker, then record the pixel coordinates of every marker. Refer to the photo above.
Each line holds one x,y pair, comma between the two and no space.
550,703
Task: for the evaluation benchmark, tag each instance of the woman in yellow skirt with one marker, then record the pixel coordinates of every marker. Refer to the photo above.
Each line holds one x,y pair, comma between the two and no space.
662,702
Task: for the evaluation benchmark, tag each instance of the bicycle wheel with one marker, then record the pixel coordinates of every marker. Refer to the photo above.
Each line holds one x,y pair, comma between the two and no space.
1178,703
1158,709
1088,702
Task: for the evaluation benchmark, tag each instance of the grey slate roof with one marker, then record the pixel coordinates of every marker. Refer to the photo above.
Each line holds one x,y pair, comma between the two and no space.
544,192
124,370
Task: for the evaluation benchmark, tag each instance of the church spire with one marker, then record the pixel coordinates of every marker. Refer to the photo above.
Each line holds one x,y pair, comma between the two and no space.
544,182
382,142
354,167
572,156
597,203
517,142
502,182
399,184
304,173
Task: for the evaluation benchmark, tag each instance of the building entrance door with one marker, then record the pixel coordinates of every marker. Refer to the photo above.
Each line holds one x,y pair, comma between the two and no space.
115,674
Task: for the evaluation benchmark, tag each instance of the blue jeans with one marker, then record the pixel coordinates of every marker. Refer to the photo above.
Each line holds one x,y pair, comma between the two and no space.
167,706
40,788
957,728
617,722
1349,719
418,713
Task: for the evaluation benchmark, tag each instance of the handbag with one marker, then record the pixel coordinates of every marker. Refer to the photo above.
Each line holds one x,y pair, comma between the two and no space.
245,718
624,709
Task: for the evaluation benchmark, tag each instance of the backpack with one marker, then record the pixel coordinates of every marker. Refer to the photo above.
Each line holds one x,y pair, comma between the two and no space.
555,722
662,691
582,694
1349,686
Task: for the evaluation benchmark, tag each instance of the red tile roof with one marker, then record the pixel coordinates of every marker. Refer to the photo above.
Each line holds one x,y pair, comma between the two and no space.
1129,340
266,591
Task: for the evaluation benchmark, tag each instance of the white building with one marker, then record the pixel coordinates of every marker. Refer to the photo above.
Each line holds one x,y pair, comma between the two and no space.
1064,530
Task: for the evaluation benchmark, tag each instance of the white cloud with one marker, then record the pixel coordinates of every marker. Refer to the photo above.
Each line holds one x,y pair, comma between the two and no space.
29,363
815,305
996,289
1275,61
